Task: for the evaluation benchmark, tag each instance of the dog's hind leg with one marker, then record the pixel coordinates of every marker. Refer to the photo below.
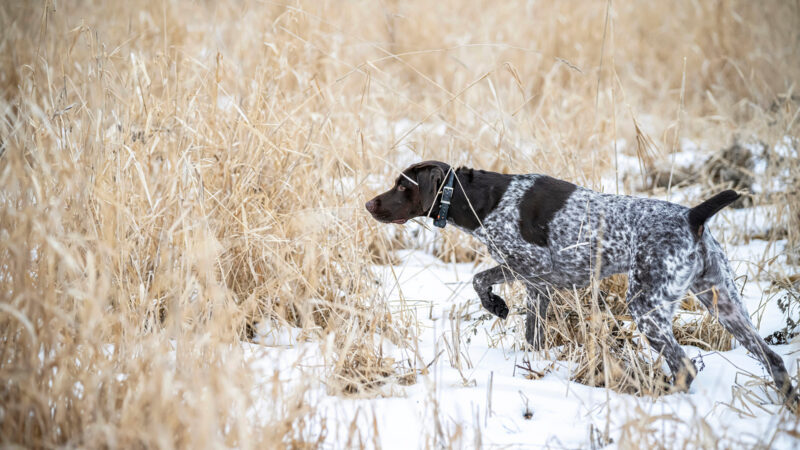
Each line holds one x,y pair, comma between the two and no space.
717,291
652,312
655,286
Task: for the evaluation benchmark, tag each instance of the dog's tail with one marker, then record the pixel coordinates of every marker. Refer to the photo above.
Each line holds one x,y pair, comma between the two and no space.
702,212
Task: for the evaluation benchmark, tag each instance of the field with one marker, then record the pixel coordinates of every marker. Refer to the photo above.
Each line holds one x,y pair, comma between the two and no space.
186,261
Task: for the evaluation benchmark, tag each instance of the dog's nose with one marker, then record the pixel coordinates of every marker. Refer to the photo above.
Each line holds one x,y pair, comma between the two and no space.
371,205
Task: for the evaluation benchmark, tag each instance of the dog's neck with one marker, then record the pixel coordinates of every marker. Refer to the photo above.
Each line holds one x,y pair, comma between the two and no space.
476,193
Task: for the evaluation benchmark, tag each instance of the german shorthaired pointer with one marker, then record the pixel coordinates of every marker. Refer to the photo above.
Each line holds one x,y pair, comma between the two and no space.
551,233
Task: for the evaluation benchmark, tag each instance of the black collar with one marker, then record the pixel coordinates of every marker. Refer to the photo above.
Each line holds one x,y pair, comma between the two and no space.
444,205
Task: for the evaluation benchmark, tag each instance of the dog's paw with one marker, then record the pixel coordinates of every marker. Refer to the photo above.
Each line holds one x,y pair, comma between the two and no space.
535,337
792,400
681,381
497,306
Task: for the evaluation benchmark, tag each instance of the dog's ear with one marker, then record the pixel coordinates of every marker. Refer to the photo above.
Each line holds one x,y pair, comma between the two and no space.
429,178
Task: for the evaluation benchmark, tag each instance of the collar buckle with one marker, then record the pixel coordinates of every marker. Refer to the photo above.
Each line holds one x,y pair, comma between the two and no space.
444,205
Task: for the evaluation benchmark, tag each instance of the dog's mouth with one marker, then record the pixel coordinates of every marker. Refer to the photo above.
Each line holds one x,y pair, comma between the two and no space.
389,220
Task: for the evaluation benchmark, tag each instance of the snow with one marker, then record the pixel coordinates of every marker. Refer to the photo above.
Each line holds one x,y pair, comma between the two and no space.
475,393
564,412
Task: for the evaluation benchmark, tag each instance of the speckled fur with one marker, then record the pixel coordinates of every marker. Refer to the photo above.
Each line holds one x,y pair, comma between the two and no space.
606,234
553,234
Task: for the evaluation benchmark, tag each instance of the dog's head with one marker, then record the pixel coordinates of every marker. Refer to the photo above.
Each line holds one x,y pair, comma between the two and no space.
413,194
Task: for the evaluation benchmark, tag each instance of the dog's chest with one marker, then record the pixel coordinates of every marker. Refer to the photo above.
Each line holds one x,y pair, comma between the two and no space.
502,235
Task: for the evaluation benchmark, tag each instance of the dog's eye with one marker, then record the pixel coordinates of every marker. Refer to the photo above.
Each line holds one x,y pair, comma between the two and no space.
401,188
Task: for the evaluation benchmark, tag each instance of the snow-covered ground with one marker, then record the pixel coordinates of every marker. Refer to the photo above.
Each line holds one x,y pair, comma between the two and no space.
475,393
461,404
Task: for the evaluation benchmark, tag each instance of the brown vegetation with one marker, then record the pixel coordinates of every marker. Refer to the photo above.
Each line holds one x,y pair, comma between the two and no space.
173,172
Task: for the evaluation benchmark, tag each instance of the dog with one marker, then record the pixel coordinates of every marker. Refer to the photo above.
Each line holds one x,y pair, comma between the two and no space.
550,233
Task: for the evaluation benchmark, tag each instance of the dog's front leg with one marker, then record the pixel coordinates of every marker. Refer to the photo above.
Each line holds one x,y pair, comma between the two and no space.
535,313
482,282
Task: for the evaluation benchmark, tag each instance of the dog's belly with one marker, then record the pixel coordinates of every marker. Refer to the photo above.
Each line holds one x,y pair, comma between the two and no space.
574,263
574,267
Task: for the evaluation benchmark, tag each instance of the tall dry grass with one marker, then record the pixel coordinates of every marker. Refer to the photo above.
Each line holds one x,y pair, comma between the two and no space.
173,173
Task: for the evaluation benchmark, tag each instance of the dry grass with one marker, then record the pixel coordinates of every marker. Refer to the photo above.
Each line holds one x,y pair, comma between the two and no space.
592,329
173,172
